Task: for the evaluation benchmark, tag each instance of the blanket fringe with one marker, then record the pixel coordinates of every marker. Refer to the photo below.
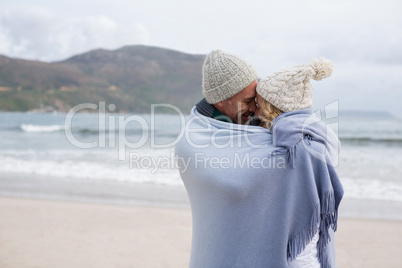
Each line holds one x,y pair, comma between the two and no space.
300,240
327,216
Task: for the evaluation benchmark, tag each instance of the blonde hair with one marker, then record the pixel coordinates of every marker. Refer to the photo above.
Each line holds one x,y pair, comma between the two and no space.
269,113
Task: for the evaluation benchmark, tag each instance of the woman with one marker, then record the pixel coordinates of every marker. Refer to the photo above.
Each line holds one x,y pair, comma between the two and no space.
287,95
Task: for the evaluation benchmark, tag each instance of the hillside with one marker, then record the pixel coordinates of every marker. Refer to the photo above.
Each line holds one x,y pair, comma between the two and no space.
132,78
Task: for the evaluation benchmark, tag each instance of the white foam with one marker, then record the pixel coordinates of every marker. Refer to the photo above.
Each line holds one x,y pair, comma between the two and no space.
372,189
93,165
105,166
41,128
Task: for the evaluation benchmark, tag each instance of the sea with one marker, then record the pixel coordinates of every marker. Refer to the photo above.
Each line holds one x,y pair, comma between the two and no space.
129,159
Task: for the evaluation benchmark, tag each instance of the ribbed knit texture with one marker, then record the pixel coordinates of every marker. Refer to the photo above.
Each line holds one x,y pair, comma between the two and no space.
225,75
290,89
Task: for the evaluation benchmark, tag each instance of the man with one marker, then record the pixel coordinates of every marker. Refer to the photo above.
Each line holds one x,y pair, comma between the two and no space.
229,85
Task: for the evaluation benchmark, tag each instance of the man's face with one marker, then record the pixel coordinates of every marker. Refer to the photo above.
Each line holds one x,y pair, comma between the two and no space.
241,106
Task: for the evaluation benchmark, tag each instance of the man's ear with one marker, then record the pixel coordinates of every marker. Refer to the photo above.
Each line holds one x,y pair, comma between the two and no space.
219,105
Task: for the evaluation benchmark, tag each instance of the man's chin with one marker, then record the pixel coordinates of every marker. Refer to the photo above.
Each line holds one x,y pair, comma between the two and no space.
245,119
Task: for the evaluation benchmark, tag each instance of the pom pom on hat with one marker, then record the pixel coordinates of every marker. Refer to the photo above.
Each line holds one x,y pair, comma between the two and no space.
322,67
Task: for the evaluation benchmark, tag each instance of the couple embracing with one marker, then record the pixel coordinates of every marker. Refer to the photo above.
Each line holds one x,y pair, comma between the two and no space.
261,178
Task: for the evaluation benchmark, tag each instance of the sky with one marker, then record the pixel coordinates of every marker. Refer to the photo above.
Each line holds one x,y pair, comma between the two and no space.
362,38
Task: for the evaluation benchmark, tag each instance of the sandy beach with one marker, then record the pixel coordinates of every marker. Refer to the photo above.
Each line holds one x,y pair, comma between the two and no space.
52,234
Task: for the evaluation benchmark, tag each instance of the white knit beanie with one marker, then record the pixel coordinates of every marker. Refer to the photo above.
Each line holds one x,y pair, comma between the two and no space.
224,76
290,89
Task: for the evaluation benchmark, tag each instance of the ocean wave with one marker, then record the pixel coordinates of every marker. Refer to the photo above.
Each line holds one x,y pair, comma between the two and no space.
371,139
41,128
372,189
106,169
128,132
121,171
31,128
385,138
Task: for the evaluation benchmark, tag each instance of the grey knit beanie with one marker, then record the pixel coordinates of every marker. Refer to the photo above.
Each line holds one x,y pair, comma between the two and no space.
290,89
224,76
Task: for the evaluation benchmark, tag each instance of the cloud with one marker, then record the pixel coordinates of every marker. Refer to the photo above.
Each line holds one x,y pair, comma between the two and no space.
38,33
283,33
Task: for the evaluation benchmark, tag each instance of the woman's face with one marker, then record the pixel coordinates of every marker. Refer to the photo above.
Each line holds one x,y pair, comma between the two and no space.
259,104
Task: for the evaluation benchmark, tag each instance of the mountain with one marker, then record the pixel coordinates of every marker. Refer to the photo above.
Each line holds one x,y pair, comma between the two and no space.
132,78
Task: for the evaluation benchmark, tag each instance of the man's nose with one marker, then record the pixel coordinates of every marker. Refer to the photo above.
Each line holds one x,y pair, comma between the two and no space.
252,108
